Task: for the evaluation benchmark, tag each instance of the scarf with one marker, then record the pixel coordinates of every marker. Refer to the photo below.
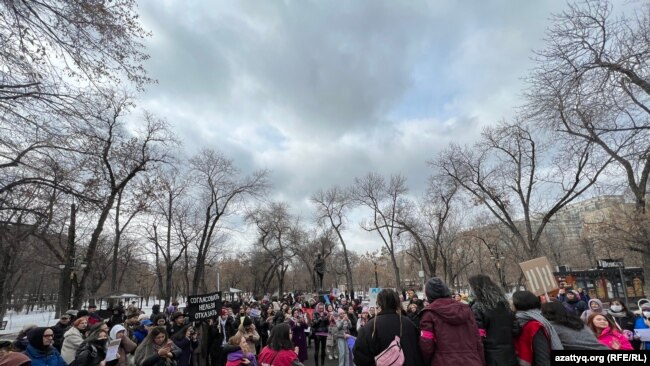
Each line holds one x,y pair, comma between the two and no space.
222,328
536,314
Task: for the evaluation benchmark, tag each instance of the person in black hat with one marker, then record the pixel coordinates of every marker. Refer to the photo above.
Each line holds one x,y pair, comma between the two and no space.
40,349
249,332
59,329
176,324
454,340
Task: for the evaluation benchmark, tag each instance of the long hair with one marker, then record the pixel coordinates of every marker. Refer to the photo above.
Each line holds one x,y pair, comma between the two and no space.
610,324
556,312
279,338
525,300
486,292
148,347
388,300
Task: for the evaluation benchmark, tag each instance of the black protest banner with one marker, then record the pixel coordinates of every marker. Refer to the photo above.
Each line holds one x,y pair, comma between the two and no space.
204,307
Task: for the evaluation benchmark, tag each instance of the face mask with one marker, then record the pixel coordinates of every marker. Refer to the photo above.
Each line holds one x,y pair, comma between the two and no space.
646,314
616,308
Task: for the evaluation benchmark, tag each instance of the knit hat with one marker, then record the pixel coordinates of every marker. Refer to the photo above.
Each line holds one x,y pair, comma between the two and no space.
146,322
341,311
247,321
436,289
35,338
81,313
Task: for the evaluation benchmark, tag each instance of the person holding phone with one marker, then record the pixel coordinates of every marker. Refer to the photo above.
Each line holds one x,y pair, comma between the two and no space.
157,350
187,341
299,324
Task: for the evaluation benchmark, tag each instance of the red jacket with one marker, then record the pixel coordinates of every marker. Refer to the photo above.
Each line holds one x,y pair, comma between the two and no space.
449,335
283,357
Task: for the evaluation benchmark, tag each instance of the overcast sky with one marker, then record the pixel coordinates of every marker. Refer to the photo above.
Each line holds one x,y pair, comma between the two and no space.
320,92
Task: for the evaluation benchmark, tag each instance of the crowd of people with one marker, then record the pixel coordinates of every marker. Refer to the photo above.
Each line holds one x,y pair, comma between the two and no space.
442,329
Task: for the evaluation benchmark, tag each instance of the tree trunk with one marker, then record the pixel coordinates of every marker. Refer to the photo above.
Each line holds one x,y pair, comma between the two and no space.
65,283
116,243
348,269
398,285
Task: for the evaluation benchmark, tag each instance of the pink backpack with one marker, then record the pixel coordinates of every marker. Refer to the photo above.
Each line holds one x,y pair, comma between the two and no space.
393,354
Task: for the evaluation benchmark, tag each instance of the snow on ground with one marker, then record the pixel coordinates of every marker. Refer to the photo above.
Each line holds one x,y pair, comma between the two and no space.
42,318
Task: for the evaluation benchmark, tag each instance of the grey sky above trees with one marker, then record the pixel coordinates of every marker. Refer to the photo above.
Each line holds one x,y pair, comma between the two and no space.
320,93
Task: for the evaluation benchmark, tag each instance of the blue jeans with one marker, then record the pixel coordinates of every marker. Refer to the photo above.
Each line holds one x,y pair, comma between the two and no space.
344,352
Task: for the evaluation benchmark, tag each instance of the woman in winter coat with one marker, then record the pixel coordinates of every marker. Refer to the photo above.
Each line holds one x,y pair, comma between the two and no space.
537,336
127,346
92,351
496,322
607,332
41,350
73,338
643,322
573,333
298,324
413,314
380,331
186,340
280,350
247,330
157,350
595,306
448,331
624,318
363,319
332,348
319,327
341,335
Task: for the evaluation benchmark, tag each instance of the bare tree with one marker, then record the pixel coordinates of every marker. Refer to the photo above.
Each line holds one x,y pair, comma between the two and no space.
331,207
592,84
385,200
514,174
222,190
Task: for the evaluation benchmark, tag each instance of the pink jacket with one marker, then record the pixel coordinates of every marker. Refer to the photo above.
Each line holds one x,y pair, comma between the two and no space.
608,338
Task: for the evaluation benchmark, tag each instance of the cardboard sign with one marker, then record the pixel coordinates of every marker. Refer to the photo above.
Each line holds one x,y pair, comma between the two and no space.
204,307
374,291
539,276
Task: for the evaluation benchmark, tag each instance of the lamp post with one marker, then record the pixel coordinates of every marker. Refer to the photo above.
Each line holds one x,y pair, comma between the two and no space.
498,257
74,265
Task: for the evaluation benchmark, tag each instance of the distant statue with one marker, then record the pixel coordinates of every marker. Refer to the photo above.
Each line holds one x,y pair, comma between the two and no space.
319,269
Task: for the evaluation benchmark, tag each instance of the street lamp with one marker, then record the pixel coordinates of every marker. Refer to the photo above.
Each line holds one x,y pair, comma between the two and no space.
75,265
497,258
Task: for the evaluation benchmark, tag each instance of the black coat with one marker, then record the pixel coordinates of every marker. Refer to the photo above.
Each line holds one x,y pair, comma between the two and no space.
319,323
500,326
387,327
89,354
59,330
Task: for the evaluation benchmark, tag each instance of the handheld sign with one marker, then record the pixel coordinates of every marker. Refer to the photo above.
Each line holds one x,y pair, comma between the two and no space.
539,276
204,307
111,352
374,291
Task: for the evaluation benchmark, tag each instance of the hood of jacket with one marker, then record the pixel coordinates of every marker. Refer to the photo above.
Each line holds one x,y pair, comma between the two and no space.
451,311
73,332
116,329
598,302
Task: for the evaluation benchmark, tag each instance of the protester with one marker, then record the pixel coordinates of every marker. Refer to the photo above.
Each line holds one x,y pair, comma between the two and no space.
380,331
93,317
448,332
363,319
537,337
141,332
352,316
413,314
248,331
157,350
332,346
572,299
299,324
624,318
62,326
73,339
496,322
342,333
220,331
594,306
177,323
573,333
319,326
280,350
643,322
92,351
241,356
41,350
186,340
607,333
10,358
127,346
21,342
